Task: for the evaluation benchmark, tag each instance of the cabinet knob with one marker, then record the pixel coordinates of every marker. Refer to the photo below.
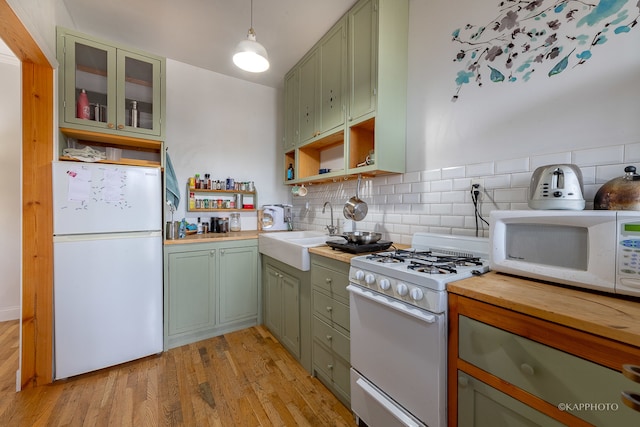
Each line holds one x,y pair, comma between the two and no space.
212,252
120,127
631,399
463,381
329,308
110,125
632,372
527,369
329,337
330,367
328,280
221,251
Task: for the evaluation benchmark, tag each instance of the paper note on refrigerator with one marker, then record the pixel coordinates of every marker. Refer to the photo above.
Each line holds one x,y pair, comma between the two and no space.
79,184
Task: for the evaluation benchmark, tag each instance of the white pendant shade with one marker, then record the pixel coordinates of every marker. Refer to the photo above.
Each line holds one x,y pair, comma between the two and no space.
250,55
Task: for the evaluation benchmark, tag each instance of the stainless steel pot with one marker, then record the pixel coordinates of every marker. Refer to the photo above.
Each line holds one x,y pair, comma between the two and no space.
361,237
621,193
355,208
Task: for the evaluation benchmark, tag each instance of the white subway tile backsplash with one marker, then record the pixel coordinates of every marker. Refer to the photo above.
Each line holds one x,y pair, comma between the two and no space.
599,156
402,188
606,173
430,197
441,209
521,179
461,184
442,185
512,166
549,159
453,197
511,195
432,175
411,177
440,201
480,169
498,181
632,153
455,172
409,198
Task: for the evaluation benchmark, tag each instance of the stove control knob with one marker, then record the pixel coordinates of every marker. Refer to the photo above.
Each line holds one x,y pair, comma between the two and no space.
385,284
402,289
369,279
416,294
359,275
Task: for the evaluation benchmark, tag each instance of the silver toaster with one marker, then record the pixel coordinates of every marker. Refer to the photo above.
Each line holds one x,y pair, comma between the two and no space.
557,187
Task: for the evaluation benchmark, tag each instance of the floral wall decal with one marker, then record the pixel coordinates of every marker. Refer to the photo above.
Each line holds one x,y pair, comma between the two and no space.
538,37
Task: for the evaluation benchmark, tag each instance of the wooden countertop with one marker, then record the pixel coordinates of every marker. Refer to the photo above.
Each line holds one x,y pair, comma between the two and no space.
214,237
329,252
616,318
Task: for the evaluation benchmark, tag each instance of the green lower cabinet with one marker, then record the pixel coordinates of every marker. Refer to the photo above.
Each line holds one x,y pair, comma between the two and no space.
330,325
480,405
287,307
210,289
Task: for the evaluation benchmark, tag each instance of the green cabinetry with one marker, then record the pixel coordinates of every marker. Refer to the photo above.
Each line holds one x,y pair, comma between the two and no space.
330,325
351,96
115,78
210,289
287,307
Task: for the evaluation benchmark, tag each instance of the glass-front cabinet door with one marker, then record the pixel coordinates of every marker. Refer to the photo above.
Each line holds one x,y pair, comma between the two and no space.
89,82
138,97
109,89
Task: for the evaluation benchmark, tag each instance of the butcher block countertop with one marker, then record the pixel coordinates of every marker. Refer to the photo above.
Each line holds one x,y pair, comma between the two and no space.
214,237
610,317
327,251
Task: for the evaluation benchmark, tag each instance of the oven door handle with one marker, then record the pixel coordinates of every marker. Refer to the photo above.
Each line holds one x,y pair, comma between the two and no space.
418,314
389,406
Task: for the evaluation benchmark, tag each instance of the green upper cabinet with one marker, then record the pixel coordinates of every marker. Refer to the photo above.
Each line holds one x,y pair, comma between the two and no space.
353,96
362,59
125,88
292,110
333,59
308,71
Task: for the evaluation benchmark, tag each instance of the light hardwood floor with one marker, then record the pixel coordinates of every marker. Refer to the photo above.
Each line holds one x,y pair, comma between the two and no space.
245,378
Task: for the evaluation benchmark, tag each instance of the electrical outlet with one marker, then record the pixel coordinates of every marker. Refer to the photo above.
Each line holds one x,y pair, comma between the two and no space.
478,181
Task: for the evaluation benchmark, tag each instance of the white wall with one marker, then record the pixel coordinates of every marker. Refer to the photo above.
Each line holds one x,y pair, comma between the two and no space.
588,115
10,186
225,127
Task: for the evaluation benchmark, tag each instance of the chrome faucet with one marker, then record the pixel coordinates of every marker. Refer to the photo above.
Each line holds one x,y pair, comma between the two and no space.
332,229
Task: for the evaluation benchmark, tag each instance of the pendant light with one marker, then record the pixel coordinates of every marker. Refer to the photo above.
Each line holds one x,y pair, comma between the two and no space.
250,55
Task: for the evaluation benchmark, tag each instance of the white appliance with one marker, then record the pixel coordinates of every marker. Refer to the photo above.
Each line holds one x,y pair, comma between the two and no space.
556,187
276,217
597,250
107,265
398,328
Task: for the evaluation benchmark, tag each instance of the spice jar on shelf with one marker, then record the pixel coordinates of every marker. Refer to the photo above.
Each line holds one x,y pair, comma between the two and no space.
234,221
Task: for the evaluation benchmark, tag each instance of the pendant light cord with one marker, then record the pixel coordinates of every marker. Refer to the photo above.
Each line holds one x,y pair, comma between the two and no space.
251,14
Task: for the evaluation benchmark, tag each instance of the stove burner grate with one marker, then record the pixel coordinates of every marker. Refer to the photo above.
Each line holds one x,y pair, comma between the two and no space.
432,268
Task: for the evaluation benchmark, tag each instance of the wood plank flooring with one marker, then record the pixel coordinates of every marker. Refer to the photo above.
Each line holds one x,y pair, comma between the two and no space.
245,378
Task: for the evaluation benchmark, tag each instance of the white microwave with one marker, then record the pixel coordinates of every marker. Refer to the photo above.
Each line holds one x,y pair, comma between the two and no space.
596,249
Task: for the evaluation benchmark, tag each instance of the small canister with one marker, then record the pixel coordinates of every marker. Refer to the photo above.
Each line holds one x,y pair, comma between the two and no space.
223,225
234,221
238,201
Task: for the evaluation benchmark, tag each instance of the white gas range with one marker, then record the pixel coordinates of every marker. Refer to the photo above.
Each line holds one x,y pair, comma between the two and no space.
398,305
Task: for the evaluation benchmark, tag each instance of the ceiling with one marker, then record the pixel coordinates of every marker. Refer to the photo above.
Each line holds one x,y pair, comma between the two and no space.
204,33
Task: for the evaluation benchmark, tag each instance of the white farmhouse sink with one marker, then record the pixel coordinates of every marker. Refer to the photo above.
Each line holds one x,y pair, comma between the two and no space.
291,247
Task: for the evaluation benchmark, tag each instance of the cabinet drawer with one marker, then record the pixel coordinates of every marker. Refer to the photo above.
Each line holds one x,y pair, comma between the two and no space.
479,404
331,311
333,282
332,367
331,338
552,375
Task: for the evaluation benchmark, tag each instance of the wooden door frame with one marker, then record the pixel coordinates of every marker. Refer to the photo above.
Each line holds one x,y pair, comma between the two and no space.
36,359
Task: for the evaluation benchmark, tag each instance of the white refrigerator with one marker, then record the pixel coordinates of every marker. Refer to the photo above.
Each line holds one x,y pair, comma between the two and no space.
107,265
